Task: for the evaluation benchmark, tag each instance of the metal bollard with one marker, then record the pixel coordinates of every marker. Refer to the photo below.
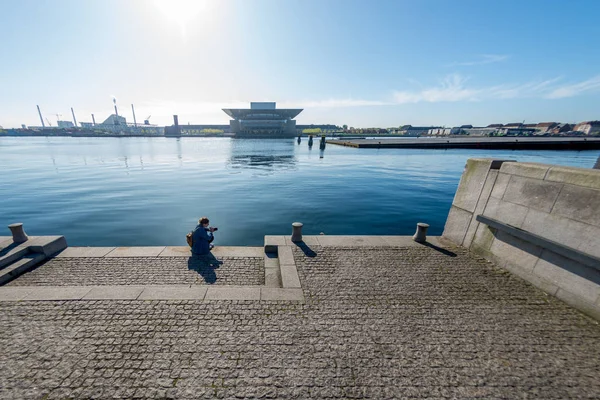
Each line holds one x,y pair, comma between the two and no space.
421,233
18,234
297,231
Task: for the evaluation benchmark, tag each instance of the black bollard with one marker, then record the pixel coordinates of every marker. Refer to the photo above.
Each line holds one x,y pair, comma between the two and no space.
299,139
310,141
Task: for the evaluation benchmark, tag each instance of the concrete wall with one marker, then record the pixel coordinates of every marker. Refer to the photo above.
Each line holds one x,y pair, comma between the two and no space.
561,204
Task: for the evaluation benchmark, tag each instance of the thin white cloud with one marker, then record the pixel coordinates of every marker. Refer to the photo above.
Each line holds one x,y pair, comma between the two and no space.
575,89
482,60
333,103
454,88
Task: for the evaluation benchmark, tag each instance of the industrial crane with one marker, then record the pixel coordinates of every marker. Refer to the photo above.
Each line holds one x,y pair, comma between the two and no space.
147,120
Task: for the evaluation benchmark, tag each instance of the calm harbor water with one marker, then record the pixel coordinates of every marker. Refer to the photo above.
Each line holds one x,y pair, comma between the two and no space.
151,191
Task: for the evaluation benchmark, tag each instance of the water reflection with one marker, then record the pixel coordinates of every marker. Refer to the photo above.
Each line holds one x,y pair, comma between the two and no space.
262,154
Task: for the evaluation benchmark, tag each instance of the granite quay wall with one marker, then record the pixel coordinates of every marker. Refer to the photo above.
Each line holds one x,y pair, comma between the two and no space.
540,222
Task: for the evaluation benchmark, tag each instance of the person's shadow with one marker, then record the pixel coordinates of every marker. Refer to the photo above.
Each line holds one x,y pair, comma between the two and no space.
205,265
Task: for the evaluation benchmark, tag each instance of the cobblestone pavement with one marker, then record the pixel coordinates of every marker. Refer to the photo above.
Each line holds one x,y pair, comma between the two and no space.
378,323
146,271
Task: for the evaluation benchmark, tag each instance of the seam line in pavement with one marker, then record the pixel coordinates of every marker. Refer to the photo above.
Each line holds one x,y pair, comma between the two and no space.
150,292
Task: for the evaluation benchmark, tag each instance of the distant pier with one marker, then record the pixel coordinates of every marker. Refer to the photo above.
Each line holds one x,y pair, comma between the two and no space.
504,143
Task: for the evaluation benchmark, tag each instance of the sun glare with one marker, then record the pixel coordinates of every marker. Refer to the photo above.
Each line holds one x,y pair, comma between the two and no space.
181,12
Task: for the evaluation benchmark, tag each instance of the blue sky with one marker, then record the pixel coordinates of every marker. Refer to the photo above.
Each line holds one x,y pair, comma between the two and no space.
360,63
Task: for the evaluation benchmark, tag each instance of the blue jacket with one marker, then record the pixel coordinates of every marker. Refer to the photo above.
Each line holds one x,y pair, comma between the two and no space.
201,237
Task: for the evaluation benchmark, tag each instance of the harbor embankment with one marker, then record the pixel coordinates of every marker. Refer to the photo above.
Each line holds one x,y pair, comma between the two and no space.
501,143
540,222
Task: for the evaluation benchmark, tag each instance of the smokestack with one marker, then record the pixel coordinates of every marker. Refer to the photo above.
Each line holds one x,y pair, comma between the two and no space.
175,120
115,103
74,120
133,111
41,119
93,120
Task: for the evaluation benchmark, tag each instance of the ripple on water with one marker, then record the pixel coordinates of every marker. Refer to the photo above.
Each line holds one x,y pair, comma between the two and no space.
151,191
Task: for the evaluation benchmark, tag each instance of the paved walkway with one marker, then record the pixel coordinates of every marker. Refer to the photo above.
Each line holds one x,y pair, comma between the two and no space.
146,271
378,322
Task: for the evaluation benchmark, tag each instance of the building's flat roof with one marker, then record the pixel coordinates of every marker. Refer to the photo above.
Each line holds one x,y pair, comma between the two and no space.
241,113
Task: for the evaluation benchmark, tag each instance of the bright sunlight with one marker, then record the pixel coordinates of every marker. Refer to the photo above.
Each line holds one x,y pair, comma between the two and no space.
181,12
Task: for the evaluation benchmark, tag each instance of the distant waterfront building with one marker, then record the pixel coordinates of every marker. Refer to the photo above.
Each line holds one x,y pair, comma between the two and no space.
262,119
544,127
203,130
562,128
514,125
588,127
115,119
444,131
410,130
323,127
65,124
480,131
517,131
117,125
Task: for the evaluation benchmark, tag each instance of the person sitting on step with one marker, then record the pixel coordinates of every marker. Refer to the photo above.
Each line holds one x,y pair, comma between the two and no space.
202,237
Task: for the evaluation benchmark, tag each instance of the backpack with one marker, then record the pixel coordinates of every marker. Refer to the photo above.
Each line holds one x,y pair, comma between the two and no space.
189,239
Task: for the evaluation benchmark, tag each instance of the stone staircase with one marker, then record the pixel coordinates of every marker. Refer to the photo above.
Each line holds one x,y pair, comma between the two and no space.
18,258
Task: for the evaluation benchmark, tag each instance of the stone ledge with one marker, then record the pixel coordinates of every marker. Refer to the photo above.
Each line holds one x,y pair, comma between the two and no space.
47,245
113,293
273,242
173,292
584,177
150,292
18,258
159,251
84,252
149,251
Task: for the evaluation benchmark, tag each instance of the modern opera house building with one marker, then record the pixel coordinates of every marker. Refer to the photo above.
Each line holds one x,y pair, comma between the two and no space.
262,120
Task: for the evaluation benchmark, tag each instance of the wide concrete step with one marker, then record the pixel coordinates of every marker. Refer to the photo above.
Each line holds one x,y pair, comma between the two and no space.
5,241
19,267
12,253
46,245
